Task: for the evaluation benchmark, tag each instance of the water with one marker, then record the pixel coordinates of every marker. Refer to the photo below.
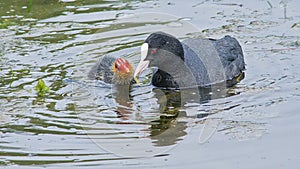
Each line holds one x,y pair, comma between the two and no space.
81,125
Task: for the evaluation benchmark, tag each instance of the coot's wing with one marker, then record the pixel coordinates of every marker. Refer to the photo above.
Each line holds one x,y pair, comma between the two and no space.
231,55
203,60
214,61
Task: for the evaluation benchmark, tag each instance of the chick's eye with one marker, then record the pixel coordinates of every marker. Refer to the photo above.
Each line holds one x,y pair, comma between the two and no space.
116,66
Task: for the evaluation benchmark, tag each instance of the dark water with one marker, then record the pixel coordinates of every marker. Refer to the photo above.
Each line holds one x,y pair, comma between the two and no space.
80,124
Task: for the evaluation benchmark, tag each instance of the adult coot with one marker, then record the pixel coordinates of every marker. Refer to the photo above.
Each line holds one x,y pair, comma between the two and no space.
113,70
192,62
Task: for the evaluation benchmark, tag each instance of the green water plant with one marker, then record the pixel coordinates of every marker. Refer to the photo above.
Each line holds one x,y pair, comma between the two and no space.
4,24
41,88
29,5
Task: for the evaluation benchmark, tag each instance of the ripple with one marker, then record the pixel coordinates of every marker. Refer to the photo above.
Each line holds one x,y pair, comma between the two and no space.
80,123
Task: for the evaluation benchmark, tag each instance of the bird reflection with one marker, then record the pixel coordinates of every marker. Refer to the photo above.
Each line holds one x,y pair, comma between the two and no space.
168,129
121,94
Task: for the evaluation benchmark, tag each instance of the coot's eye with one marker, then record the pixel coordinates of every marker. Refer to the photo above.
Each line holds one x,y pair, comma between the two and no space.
153,51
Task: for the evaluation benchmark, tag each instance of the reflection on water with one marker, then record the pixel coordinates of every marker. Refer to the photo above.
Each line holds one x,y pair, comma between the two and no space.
81,123
126,118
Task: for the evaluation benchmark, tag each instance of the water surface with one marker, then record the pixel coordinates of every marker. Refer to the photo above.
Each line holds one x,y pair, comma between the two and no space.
80,124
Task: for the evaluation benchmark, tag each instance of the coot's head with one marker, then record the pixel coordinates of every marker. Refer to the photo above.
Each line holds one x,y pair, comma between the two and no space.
158,50
123,71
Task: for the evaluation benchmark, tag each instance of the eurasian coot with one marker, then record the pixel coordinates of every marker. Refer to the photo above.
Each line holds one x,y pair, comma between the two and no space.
113,70
192,62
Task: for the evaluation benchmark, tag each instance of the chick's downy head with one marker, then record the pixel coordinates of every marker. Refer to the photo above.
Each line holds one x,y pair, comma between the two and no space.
123,71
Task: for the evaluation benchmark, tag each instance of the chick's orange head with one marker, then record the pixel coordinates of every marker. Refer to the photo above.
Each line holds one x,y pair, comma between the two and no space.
122,66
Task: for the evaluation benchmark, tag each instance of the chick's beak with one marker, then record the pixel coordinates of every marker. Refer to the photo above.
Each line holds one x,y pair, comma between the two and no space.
122,66
127,69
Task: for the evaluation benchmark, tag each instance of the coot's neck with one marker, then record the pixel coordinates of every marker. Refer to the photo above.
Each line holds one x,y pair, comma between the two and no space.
178,72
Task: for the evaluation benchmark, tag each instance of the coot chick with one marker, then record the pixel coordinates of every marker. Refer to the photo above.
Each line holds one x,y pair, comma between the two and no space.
113,70
192,62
